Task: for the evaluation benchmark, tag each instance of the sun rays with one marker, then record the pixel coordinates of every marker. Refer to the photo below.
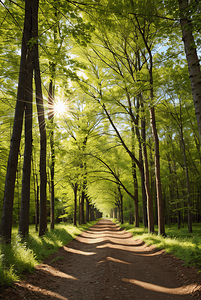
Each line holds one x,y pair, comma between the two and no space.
60,108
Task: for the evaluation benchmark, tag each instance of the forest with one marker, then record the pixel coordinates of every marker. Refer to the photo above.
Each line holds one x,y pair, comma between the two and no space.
100,113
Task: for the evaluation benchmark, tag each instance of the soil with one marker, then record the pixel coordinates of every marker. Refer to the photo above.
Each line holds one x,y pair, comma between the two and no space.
106,262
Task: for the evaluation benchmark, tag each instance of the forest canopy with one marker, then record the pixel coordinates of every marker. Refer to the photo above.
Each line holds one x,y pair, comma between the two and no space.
100,112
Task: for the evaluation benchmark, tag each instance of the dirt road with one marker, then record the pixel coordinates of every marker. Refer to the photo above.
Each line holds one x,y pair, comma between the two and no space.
105,262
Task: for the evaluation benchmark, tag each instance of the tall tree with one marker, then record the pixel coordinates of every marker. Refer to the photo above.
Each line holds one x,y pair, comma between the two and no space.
191,56
6,222
143,27
25,198
41,121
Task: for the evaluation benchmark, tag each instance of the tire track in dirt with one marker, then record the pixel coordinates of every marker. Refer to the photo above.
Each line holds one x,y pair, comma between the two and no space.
105,262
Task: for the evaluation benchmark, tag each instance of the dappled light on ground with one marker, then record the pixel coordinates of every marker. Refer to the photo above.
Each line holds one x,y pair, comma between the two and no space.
114,260
42,292
183,290
105,262
55,272
78,251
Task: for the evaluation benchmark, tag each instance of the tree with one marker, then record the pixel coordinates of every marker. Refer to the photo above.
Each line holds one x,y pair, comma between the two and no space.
191,56
6,222
25,198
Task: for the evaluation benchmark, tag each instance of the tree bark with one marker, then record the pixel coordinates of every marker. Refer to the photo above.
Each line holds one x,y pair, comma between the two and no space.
75,187
51,118
42,127
136,199
187,182
192,60
135,182
6,221
150,217
161,223
25,197
121,205
82,221
87,210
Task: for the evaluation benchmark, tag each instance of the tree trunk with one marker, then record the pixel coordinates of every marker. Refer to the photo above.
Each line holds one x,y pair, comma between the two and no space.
6,221
144,197
135,182
161,225
52,163
187,183
136,201
150,217
130,217
153,182
25,197
91,213
192,60
121,205
171,188
75,205
82,221
37,207
42,127
87,210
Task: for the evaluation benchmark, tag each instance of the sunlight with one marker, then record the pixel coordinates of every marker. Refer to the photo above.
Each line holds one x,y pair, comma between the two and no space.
182,290
78,251
60,108
37,289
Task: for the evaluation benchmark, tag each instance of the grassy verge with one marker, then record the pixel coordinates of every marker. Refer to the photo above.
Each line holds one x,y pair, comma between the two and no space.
180,243
23,255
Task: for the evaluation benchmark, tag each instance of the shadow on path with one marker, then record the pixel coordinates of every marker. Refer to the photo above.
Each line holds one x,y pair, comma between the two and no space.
105,262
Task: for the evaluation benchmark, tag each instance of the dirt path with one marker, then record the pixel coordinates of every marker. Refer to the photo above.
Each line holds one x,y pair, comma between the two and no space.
105,262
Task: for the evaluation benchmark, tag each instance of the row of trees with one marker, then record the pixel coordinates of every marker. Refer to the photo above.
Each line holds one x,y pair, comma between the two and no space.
128,136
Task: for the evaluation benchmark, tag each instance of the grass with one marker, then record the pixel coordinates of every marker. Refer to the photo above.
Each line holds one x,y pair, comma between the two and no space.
180,243
23,255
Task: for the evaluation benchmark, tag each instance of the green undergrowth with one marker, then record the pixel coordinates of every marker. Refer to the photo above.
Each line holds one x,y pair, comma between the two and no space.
24,254
180,243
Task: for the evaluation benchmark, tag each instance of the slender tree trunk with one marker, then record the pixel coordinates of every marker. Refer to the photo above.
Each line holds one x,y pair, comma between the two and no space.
51,119
91,212
136,201
192,59
150,217
6,221
153,181
42,127
82,221
87,209
121,205
36,192
75,205
144,197
25,198
161,223
135,182
187,183
177,191
171,187
37,207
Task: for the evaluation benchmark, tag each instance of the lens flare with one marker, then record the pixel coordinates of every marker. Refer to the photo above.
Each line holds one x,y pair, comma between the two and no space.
60,108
